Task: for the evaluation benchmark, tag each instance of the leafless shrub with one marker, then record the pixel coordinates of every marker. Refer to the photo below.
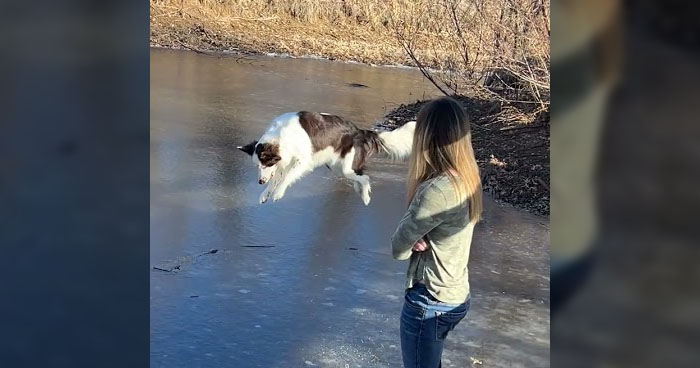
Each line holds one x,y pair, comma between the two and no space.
499,47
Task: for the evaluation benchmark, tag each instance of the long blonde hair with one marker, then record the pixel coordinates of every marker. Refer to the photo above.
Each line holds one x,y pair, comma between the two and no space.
442,144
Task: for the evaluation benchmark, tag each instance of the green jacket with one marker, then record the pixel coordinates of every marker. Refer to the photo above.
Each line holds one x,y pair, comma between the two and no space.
436,215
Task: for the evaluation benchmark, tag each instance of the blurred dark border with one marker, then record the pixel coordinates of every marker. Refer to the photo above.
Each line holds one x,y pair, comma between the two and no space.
74,211
632,299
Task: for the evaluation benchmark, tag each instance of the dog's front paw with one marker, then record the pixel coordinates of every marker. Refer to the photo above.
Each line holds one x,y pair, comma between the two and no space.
264,197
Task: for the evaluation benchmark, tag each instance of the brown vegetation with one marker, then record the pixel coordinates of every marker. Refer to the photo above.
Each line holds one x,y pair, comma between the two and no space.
342,30
375,31
481,44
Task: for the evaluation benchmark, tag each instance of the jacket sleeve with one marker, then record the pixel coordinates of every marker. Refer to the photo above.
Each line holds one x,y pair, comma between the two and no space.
423,215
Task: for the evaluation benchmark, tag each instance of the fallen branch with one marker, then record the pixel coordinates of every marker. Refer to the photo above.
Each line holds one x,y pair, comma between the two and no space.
170,270
265,19
543,184
218,54
522,127
199,51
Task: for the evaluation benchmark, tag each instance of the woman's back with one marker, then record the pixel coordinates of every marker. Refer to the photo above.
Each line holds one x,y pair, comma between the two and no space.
437,209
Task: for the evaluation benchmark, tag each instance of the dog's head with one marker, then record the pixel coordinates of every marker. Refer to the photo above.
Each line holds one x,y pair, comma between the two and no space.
266,156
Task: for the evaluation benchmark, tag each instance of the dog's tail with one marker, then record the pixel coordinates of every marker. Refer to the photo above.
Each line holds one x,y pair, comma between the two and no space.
398,142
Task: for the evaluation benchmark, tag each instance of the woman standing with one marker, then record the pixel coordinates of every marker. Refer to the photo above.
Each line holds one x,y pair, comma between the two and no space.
444,195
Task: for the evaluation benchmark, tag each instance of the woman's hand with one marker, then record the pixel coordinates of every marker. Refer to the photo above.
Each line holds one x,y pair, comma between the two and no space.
420,246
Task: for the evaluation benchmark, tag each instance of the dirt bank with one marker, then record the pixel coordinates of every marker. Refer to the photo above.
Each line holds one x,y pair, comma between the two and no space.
511,144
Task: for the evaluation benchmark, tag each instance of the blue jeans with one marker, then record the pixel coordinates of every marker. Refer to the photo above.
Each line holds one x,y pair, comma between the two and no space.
425,323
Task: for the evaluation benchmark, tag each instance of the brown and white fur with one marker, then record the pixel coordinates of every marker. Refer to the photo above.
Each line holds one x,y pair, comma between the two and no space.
299,142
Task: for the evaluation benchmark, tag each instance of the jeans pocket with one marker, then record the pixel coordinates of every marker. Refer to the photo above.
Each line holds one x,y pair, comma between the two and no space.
446,322
412,319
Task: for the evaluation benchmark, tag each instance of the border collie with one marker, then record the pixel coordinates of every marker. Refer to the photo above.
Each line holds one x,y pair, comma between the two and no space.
298,142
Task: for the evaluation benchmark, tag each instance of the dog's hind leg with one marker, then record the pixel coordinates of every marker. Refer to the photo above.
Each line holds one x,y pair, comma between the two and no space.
353,172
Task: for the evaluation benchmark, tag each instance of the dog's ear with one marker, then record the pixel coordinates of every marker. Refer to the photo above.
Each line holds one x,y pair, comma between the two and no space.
248,148
269,159
269,155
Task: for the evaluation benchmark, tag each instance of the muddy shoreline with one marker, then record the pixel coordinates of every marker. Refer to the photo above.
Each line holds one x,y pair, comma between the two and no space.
242,52
247,39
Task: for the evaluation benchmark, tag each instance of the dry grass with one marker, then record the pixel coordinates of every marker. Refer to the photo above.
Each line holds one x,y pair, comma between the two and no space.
371,31
350,30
